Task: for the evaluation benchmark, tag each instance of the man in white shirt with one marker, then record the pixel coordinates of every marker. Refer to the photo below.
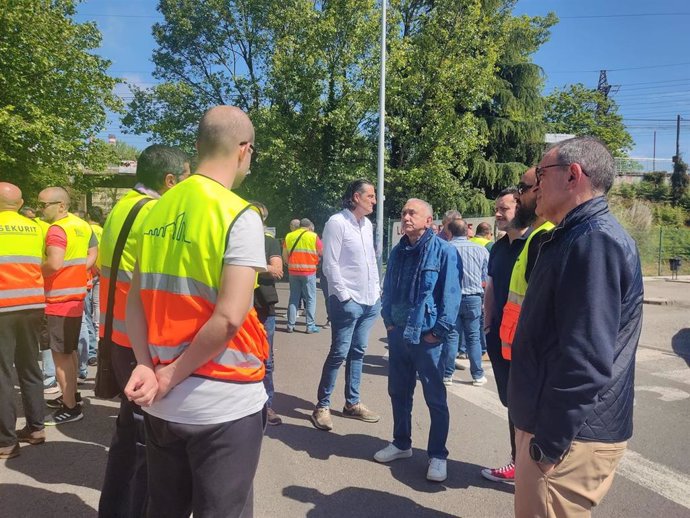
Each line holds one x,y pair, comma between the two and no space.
349,264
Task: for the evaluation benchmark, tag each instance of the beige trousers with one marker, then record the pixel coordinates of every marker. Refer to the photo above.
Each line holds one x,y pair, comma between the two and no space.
576,484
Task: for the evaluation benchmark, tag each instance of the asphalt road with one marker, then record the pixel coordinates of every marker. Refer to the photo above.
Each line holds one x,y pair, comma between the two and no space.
308,472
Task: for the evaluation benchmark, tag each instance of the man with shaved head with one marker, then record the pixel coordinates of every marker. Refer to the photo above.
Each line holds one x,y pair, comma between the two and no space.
199,344
21,309
71,249
420,304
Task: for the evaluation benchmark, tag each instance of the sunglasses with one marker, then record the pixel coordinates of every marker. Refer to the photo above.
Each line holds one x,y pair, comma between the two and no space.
522,188
44,204
539,171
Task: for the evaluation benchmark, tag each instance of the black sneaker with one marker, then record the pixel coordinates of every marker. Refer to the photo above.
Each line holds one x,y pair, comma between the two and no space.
65,415
59,403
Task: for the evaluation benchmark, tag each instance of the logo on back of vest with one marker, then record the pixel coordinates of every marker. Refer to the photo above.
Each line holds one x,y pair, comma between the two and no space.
176,230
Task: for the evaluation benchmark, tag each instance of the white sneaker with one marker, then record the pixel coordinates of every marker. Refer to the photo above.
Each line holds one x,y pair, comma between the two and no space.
448,382
480,381
437,470
392,452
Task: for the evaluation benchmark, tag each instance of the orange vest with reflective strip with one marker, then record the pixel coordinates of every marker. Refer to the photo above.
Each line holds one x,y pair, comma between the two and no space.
111,231
21,254
516,294
69,283
305,256
180,259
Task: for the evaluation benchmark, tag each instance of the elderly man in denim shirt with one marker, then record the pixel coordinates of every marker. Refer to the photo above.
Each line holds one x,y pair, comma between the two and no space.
420,304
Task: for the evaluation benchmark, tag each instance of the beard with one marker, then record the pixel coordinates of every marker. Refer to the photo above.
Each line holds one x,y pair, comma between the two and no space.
524,216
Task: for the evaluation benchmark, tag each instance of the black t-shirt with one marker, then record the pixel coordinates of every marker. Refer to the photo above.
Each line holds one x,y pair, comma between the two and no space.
501,261
265,295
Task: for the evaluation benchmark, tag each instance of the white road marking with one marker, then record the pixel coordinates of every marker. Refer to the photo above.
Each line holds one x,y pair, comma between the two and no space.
667,393
680,375
669,483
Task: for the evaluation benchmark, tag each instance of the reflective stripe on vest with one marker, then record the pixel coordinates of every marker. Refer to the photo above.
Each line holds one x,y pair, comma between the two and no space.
111,231
21,252
305,256
516,294
69,283
180,276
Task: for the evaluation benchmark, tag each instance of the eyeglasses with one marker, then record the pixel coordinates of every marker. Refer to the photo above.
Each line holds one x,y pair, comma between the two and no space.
522,188
539,171
44,204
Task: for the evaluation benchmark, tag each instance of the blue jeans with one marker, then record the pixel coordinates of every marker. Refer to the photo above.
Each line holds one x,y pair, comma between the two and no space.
450,352
93,310
83,346
406,360
350,326
303,286
469,321
48,367
269,322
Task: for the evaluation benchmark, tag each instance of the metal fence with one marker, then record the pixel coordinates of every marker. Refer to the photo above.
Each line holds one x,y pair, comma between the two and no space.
659,245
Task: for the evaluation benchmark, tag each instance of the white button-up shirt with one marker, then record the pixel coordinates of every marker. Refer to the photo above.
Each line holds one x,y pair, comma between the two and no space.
349,260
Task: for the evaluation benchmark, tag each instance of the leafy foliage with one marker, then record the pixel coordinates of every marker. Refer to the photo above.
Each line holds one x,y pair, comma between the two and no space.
307,74
54,93
679,180
583,111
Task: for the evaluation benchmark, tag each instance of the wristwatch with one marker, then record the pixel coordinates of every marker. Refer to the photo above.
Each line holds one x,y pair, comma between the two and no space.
538,455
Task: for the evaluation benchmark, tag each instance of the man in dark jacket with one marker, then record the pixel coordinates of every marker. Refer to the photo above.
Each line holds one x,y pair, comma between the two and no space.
420,304
570,392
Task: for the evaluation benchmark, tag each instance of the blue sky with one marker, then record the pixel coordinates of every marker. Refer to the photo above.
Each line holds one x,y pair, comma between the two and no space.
643,46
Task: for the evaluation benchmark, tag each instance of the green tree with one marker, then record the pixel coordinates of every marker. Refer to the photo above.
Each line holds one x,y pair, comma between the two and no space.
583,111
679,180
54,94
513,116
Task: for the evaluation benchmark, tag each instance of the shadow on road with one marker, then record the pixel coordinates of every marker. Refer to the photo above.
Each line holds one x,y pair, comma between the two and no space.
375,365
356,502
18,500
681,344
59,462
323,445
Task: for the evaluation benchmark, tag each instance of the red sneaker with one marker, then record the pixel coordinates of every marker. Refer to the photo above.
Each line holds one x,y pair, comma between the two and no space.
503,474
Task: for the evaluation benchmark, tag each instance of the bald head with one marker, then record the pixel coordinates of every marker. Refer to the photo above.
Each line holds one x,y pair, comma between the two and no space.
294,224
55,203
10,197
56,194
221,131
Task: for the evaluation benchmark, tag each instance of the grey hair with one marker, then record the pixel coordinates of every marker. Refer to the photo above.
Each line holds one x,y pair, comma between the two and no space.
426,205
451,214
593,157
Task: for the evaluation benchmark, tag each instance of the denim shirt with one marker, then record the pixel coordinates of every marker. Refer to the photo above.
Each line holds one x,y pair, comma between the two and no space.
437,299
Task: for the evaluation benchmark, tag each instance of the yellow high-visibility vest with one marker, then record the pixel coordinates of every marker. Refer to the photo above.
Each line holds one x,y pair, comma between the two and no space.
180,257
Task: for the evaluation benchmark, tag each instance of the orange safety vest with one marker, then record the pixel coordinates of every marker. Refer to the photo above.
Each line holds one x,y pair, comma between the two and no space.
21,253
111,231
516,294
69,283
303,257
180,259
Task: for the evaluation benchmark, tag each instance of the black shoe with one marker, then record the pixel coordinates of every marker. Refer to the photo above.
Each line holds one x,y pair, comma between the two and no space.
58,402
65,415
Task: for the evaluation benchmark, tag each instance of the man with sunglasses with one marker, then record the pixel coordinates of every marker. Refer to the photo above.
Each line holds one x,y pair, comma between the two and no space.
571,386
71,248
525,216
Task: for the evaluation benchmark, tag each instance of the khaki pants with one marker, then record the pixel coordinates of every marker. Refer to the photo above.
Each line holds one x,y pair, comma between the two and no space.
578,482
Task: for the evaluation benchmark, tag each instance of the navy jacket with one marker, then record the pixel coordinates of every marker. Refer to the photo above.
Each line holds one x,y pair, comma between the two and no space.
437,299
573,365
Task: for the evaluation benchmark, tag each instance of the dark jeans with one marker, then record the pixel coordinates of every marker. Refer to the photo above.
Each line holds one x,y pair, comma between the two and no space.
269,322
406,360
205,469
501,368
350,329
19,332
125,491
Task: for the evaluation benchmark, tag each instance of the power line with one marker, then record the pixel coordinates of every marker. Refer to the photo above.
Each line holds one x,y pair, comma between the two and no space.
631,15
646,67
